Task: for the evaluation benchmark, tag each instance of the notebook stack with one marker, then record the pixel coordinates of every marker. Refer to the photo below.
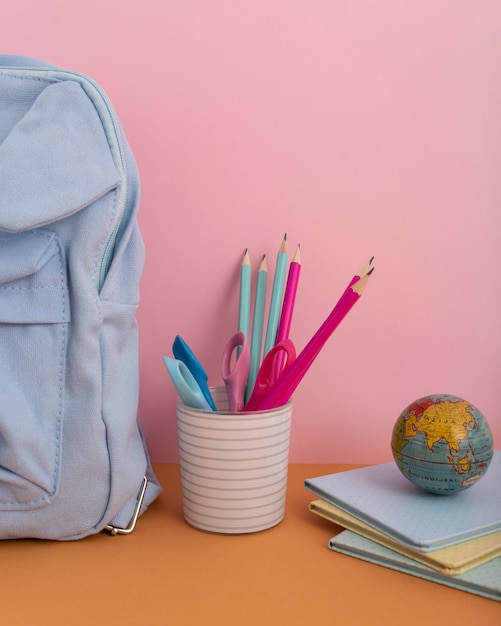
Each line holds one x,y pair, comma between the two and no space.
454,540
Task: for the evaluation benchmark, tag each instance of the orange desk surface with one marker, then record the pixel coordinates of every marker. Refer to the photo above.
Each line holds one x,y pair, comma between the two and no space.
167,573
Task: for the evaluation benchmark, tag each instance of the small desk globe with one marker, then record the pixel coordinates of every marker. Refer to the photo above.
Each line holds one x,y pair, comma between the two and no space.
442,444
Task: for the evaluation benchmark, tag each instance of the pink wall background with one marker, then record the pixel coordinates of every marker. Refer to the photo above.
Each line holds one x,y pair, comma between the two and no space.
359,128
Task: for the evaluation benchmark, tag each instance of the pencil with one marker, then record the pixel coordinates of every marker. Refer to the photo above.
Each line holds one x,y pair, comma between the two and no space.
245,295
276,297
282,391
284,325
257,326
366,269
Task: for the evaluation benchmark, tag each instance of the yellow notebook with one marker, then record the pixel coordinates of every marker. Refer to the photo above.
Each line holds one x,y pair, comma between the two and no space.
451,560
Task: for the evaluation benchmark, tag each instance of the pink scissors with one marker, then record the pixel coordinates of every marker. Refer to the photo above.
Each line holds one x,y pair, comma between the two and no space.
235,379
276,362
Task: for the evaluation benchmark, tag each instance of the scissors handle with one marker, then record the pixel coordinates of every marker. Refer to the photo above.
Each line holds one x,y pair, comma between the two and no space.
235,379
182,352
274,365
186,385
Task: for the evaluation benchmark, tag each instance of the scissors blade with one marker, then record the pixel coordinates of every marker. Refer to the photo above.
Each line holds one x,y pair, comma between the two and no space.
182,352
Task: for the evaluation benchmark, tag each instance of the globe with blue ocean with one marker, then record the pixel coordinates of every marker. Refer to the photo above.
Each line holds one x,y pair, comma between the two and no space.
442,444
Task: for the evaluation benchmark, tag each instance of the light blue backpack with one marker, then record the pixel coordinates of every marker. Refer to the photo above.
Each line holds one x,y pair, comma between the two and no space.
72,457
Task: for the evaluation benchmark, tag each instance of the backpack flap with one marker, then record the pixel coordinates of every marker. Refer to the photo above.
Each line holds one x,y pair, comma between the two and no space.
55,161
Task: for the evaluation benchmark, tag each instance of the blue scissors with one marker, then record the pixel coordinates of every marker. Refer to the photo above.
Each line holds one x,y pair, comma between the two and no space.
235,379
182,352
186,386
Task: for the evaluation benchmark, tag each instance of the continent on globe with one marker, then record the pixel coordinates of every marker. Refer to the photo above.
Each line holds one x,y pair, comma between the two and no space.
447,420
442,444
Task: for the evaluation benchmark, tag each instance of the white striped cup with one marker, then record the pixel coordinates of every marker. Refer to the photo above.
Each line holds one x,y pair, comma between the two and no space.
233,466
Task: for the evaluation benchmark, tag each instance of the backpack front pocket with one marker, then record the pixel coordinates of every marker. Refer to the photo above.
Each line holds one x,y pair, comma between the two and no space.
34,316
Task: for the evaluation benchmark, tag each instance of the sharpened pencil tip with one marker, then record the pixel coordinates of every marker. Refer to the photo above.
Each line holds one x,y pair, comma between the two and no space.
283,247
359,286
365,268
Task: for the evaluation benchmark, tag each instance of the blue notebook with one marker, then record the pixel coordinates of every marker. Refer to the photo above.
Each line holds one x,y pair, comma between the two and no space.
380,496
484,580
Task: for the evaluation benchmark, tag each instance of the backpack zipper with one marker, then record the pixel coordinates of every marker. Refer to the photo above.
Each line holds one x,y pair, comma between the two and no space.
111,128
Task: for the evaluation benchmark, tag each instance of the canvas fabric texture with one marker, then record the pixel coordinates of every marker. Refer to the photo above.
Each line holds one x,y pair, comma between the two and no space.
72,454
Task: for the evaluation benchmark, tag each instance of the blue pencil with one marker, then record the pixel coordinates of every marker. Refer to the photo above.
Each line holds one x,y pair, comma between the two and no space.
257,326
245,295
276,297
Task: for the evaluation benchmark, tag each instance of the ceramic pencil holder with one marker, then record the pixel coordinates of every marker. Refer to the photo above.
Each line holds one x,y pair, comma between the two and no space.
233,466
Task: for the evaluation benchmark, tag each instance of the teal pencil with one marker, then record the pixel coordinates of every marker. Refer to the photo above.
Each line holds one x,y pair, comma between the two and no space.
257,326
245,295
276,297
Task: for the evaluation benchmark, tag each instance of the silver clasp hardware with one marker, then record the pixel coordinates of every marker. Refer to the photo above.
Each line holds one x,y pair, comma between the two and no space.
116,530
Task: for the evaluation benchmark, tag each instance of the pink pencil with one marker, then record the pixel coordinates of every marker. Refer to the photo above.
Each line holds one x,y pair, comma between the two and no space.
289,297
363,272
288,307
282,391
358,276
